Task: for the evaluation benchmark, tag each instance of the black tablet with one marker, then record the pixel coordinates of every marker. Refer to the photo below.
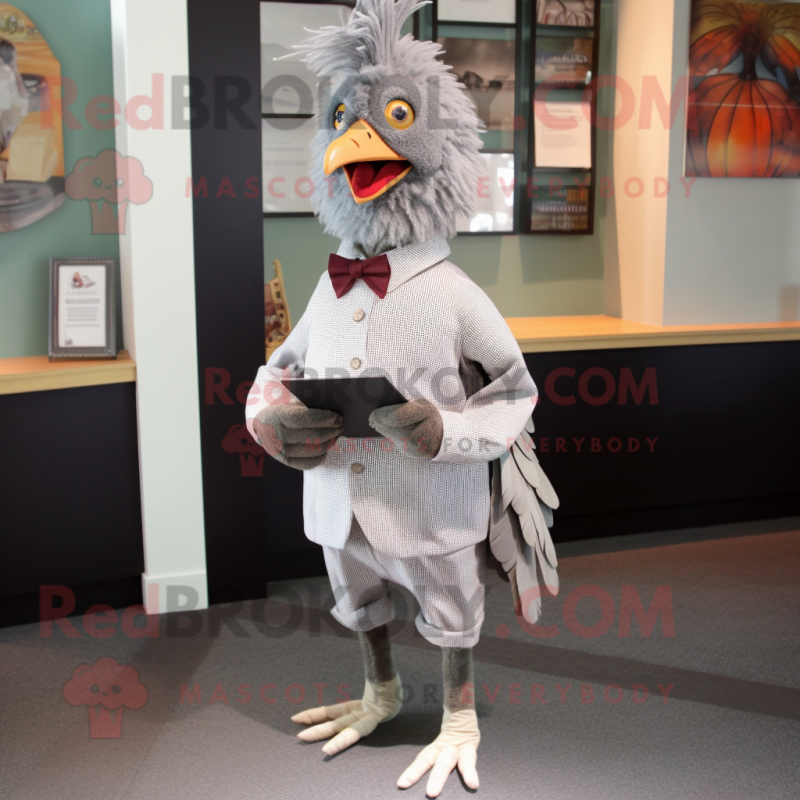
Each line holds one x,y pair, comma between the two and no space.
354,398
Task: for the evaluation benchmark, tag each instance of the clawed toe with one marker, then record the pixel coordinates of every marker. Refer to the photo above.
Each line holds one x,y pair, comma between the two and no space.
455,747
345,723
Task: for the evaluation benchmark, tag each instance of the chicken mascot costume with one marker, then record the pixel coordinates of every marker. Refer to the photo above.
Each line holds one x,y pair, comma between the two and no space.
396,162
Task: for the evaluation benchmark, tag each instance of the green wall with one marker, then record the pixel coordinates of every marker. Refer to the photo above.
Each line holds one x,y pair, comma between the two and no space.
524,275
79,33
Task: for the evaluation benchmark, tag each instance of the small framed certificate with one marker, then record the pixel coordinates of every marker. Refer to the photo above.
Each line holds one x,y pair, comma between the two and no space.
82,308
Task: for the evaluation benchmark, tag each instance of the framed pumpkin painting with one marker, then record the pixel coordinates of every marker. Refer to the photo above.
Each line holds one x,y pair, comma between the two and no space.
743,114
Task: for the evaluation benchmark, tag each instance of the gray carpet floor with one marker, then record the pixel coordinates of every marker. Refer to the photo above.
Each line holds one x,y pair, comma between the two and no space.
728,728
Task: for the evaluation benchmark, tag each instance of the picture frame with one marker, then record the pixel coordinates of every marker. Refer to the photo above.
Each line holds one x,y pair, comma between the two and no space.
564,62
288,87
495,197
752,85
277,317
32,174
487,68
563,134
290,98
567,13
286,167
83,315
561,203
561,168
484,12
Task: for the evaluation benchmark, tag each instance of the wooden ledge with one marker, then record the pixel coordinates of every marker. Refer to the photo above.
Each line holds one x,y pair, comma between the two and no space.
553,334
37,374
534,334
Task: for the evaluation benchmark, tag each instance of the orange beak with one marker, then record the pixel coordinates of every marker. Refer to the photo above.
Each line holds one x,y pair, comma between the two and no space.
370,165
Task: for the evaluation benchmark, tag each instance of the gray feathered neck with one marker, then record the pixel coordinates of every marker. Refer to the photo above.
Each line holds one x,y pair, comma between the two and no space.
366,61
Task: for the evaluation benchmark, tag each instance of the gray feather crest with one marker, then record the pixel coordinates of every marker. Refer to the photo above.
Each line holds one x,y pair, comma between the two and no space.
426,205
370,38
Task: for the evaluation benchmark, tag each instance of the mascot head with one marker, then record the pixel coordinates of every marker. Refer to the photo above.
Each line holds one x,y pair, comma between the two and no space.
396,157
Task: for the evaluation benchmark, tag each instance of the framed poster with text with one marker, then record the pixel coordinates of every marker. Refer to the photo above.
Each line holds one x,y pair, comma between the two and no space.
563,133
82,309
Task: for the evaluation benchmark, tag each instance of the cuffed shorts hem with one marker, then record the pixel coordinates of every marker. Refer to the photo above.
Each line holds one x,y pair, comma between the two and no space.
447,638
373,615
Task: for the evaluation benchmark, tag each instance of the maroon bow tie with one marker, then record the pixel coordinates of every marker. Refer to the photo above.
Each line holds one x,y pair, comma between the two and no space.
344,272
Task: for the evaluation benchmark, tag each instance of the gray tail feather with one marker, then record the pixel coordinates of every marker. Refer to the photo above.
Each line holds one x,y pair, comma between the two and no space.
523,500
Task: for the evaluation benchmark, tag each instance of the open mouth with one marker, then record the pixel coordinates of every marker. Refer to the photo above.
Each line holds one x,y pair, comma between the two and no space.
370,165
370,179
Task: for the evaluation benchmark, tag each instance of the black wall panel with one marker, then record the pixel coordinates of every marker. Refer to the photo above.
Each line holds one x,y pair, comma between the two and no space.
224,59
721,421
69,488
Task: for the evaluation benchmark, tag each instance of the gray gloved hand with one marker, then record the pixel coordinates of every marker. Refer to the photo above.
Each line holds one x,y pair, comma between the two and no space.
297,436
417,426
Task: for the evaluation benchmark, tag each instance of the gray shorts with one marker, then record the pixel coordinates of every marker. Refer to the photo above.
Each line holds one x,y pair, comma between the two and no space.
449,589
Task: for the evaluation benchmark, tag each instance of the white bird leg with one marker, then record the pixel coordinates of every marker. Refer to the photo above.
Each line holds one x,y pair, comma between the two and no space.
457,743
345,723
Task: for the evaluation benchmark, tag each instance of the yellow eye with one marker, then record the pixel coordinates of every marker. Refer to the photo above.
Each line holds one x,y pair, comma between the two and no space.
399,114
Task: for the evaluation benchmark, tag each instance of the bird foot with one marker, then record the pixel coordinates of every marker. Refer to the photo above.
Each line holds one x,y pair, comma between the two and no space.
345,723
455,746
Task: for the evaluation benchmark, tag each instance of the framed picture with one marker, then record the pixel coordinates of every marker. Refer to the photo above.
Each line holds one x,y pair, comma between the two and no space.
563,62
573,13
562,134
561,204
494,206
289,87
32,177
743,110
483,11
82,308
487,68
290,96
277,319
286,162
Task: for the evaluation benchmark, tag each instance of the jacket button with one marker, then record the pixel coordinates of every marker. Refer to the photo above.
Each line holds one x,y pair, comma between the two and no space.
357,468
355,363
359,315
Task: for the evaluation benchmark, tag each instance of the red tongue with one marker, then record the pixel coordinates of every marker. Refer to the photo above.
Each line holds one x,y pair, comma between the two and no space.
369,177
